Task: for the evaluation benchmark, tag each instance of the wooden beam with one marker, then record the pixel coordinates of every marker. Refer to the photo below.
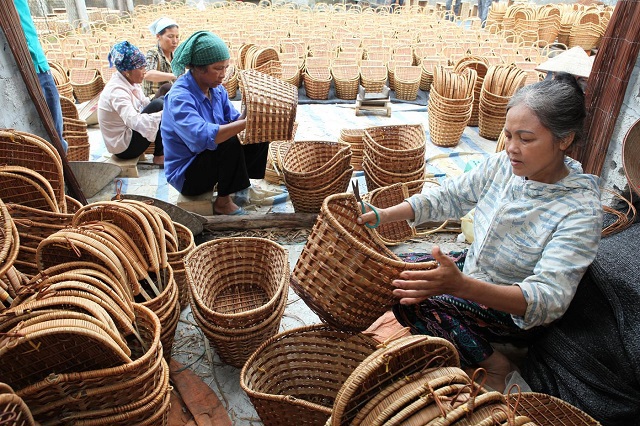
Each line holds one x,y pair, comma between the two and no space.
280,220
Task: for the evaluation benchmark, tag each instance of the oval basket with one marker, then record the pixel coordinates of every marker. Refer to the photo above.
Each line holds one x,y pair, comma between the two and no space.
313,164
344,272
292,379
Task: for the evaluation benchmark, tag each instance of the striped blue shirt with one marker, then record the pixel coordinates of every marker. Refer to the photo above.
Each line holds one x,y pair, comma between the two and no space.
541,237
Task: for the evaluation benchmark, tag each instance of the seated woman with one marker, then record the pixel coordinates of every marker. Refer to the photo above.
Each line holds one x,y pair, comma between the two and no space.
129,121
200,129
537,227
158,78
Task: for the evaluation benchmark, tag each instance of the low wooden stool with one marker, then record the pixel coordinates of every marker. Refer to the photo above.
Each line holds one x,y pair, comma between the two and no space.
201,204
129,167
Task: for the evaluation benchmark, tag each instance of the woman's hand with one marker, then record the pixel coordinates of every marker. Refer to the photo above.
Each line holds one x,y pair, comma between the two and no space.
415,286
369,217
243,115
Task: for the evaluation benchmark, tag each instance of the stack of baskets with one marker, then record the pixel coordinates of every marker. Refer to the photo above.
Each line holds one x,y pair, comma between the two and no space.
13,409
86,83
450,105
69,109
480,65
61,79
278,376
277,150
393,154
549,24
407,82
391,70
500,83
238,291
271,106
346,79
291,74
341,262
74,131
586,31
355,138
314,170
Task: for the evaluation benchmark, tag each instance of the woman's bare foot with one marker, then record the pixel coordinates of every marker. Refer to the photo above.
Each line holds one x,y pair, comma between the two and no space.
158,159
497,366
225,205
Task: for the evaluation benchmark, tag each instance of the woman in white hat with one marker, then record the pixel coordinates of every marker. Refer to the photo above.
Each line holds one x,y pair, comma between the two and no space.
159,74
574,61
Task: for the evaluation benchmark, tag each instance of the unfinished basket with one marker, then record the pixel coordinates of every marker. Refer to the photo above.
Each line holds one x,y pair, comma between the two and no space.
271,106
277,376
547,410
340,262
402,359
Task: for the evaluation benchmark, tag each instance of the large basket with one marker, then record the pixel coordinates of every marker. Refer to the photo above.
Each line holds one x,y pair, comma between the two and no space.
292,378
271,106
547,410
237,282
396,148
341,262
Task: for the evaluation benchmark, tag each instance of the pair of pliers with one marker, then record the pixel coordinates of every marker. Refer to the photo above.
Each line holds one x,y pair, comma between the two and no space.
363,205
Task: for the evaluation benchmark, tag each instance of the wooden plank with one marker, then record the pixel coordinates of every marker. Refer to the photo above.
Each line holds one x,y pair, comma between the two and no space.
280,220
129,167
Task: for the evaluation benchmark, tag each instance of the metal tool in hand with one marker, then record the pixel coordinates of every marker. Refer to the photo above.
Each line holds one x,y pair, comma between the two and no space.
363,205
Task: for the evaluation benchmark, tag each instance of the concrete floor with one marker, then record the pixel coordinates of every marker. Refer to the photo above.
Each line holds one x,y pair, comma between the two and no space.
316,122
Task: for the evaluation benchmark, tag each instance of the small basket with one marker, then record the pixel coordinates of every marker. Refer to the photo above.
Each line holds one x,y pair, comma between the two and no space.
373,78
346,80
317,82
186,244
340,262
407,79
278,376
271,106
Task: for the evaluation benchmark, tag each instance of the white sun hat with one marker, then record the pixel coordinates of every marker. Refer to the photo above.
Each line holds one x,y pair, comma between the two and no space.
574,61
160,24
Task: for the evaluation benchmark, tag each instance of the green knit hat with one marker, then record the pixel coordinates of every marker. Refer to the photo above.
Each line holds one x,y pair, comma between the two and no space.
201,48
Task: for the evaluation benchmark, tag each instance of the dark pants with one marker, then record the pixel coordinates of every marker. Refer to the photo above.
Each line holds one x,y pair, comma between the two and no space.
139,143
230,166
52,97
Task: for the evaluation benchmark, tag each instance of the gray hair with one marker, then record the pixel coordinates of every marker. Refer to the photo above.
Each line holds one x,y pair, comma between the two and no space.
558,104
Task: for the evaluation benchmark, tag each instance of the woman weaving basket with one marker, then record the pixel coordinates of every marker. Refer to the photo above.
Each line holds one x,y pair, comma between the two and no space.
537,227
129,121
201,127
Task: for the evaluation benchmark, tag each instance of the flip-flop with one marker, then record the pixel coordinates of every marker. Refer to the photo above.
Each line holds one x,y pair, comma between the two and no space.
239,212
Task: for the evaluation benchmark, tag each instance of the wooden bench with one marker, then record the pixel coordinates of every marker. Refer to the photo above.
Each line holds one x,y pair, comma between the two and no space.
201,204
129,167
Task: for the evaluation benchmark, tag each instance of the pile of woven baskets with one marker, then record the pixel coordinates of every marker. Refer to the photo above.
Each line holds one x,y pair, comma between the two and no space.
313,170
355,138
86,83
450,104
500,83
238,289
480,65
393,154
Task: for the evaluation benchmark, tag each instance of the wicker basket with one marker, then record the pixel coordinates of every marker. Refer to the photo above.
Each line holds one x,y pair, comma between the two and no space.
354,137
317,82
13,410
407,82
271,106
292,378
273,171
86,83
385,177
230,82
402,359
236,286
309,165
310,201
69,109
547,410
186,244
396,148
272,68
631,157
346,80
373,78
340,262
23,186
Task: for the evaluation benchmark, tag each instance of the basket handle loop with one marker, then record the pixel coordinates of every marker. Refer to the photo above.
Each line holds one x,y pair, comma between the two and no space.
119,184
8,417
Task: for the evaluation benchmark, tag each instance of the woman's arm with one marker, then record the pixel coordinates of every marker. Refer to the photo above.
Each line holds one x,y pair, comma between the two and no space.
227,131
415,286
159,76
402,211
145,124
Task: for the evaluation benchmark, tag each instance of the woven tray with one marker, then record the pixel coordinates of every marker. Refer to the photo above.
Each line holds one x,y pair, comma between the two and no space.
271,106
340,262
278,376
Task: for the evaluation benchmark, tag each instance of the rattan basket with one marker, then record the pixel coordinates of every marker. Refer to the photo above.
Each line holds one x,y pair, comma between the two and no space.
277,151
13,410
346,80
186,244
547,410
407,82
292,378
354,137
396,148
373,78
309,165
69,109
310,200
317,82
341,262
271,106
230,82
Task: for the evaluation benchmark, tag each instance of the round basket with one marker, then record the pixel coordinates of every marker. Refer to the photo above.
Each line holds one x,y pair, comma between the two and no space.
310,165
237,282
340,262
186,244
271,106
310,201
292,378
